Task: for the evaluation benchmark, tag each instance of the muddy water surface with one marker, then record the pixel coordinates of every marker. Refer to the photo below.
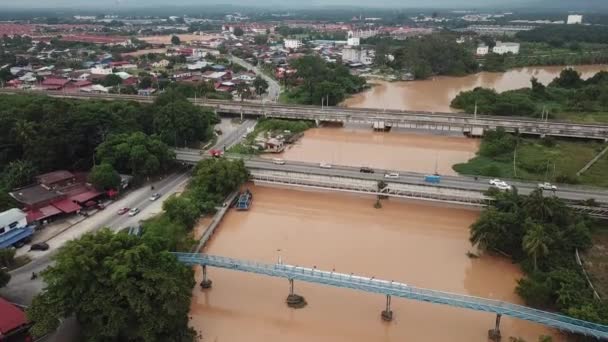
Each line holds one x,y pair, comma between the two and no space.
437,93
393,150
412,242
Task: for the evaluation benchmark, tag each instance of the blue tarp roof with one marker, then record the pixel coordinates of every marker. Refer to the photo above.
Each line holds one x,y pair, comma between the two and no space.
15,235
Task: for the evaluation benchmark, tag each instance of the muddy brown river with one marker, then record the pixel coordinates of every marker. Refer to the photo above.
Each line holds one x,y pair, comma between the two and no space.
412,242
436,94
396,150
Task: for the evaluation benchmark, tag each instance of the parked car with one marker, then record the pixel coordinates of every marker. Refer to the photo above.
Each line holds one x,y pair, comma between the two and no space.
155,197
325,166
547,186
391,175
123,210
41,246
134,211
278,161
366,169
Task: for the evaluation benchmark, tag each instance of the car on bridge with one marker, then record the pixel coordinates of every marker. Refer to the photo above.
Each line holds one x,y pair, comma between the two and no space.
391,175
495,181
325,166
547,186
366,169
278,161
134,211
502,186
123,210
155,197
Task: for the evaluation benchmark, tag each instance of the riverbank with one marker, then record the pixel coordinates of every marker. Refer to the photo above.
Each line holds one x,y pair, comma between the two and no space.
412,242
548,159
436,94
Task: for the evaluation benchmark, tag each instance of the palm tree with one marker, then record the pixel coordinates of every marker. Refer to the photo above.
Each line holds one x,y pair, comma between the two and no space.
243,90
538,206
536,241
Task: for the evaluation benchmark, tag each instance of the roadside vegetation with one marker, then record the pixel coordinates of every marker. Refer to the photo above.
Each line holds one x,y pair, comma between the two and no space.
510,156
567,97
127,288
596,259
40,134
542,234
320,82
271,127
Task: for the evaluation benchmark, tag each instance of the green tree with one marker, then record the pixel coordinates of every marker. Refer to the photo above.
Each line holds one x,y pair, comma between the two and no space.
5,277
104,177
175,40
238,31
111,80
536,241
118,288
19,173
145,82
243,90
260,39
182,209
260,85
568,78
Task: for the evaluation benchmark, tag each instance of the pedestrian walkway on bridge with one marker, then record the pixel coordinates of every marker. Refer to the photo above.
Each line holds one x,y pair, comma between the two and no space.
391,288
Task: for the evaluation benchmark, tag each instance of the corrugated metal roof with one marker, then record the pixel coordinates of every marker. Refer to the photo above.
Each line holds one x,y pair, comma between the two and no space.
11,317
10,216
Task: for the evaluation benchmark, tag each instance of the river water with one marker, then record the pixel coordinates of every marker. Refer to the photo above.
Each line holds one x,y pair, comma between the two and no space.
412,242
396,150
436,94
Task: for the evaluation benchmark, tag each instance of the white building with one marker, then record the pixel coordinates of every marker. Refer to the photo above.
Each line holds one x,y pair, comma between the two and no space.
353,41
575,19
12,219
483,50
100,70
161,64
502,48
362,33
293,44
362,56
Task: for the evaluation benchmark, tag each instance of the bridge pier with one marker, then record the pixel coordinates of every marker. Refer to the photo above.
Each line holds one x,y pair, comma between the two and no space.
206,282
293,300
317,122
494,334
387,314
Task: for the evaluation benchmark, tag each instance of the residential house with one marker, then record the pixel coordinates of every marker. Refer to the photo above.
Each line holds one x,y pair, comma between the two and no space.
100,70
52,83
197,66
293,44
216,76
503,48
161,64
482,50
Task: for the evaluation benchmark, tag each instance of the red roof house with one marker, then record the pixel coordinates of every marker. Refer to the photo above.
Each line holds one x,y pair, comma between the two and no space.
13,323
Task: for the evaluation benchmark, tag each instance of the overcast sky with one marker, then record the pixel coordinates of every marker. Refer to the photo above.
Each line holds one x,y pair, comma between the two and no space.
110,5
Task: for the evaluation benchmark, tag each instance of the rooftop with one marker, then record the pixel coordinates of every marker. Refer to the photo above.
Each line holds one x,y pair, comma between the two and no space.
54,177
34,194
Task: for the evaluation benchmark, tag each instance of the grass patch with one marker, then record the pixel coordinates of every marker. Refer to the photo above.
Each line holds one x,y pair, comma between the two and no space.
590,118
539,160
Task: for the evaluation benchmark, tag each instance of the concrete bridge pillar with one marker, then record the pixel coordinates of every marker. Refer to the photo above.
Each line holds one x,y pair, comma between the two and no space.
387,314
241,115
293,300
317,122
206,282
494,334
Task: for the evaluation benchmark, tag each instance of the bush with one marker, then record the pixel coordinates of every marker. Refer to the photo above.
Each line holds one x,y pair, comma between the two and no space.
535,291
491,170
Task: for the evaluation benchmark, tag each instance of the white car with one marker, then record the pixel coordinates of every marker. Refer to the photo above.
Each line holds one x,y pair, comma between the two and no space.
502,186
547,186
134,211
325,166
278,161
391,175
495,181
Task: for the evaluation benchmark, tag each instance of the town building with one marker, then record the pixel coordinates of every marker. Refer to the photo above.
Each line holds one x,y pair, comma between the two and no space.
352,55
502,48
161,64
353,41
362,34
100,70
293,44
574,19
13,323
482,50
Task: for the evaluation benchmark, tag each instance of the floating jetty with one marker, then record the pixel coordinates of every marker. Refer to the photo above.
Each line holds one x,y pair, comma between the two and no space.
244,200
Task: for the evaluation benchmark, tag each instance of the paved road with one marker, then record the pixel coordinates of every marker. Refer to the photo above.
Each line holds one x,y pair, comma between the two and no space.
274,89
21,289
229,139
568,192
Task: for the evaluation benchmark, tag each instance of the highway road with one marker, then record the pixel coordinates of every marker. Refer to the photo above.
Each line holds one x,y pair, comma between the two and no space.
21,289
567,192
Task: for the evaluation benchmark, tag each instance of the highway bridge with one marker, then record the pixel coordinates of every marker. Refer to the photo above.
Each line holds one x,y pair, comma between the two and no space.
465,123
452,189
391,288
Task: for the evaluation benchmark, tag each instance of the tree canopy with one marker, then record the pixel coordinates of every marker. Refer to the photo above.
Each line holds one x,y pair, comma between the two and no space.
175,40
557,34
118,288
104,177
542,233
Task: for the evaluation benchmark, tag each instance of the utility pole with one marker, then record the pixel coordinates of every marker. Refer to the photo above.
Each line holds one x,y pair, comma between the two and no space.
475,113
514,158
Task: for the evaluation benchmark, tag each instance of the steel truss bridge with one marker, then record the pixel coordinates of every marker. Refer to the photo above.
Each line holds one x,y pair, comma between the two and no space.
395,289
391,118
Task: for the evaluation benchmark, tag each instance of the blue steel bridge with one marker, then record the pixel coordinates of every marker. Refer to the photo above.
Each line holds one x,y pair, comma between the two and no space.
395,289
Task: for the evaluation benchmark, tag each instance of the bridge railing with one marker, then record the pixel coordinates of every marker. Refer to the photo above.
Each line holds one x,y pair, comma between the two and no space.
399,290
